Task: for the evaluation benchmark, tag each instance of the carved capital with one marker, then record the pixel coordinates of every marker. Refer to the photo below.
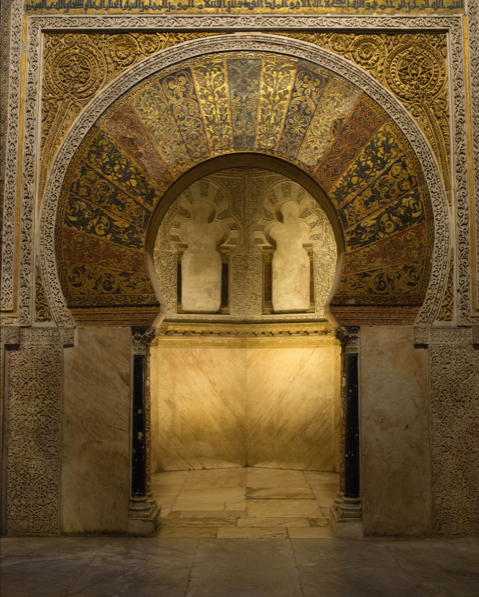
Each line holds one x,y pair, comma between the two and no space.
349,338
141,339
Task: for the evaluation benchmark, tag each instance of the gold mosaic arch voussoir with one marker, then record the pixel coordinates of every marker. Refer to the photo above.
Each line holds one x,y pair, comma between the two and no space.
275,109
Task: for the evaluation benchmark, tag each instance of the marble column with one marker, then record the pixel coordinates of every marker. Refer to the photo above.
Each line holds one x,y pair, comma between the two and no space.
346,512
143,512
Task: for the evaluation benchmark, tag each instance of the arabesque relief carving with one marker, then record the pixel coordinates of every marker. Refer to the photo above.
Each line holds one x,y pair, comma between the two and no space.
33,419
246,201
78,65
412,66
447,310
42,312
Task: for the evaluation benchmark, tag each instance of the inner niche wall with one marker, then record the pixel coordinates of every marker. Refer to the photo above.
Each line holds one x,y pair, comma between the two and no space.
245,385
246,203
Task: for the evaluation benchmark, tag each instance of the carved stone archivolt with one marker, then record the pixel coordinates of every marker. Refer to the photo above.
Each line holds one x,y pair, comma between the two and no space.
447,310
42,312
412,66
78,65
398,285
452,24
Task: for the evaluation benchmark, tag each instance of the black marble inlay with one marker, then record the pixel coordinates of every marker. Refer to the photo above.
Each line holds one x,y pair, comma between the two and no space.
138,474
351,466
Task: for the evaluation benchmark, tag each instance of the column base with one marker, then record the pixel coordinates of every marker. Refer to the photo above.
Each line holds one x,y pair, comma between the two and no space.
346,518
143,516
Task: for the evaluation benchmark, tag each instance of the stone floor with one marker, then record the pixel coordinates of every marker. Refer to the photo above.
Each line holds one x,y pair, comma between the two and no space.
245,503
195,567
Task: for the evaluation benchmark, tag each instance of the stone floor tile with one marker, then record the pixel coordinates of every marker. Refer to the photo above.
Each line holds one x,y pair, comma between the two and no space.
191,531
211,513
315,532
325,499
279,493
266,477
325,512
226,477
318,522
210,499
273,508
184,521
24,549
244,568
146,552
113,581
252,533
439,567
340,554
43,577
279,521
356,582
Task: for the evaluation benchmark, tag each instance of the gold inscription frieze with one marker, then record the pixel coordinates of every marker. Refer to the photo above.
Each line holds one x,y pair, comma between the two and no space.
283,7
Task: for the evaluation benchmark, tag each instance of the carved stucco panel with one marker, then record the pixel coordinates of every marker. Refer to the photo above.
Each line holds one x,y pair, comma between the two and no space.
455,438
33,433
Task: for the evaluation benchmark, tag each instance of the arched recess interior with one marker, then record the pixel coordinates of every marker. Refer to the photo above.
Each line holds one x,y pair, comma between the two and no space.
244,102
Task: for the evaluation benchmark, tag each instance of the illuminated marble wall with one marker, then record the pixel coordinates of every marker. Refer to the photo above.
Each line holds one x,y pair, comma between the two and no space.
218,407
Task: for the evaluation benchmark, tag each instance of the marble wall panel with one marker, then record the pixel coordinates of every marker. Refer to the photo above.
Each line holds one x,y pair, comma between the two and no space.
395,460
264,407
290,406
198,407
96,432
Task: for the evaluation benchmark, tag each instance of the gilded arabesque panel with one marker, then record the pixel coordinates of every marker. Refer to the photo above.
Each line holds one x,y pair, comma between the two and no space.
78,65
183,115
412,66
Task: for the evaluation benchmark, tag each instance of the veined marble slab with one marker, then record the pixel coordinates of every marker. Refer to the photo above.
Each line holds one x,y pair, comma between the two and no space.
198,395
290,405
277,521
217,499
273,508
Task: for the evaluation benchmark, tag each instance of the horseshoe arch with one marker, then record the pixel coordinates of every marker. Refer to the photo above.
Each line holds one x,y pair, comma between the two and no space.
328,120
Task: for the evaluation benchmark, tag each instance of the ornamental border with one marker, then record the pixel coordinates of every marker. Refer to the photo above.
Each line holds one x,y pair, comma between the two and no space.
39,24
246,42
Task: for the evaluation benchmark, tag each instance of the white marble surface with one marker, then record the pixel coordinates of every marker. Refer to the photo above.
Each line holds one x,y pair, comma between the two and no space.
198,405
290,406
201,262
265,503
395,467
238,567
96,432
228,407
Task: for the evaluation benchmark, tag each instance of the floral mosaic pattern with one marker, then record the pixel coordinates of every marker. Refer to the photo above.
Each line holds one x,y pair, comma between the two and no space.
245,102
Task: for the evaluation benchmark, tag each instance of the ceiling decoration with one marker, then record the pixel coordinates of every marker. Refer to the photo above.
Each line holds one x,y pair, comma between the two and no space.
244,102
